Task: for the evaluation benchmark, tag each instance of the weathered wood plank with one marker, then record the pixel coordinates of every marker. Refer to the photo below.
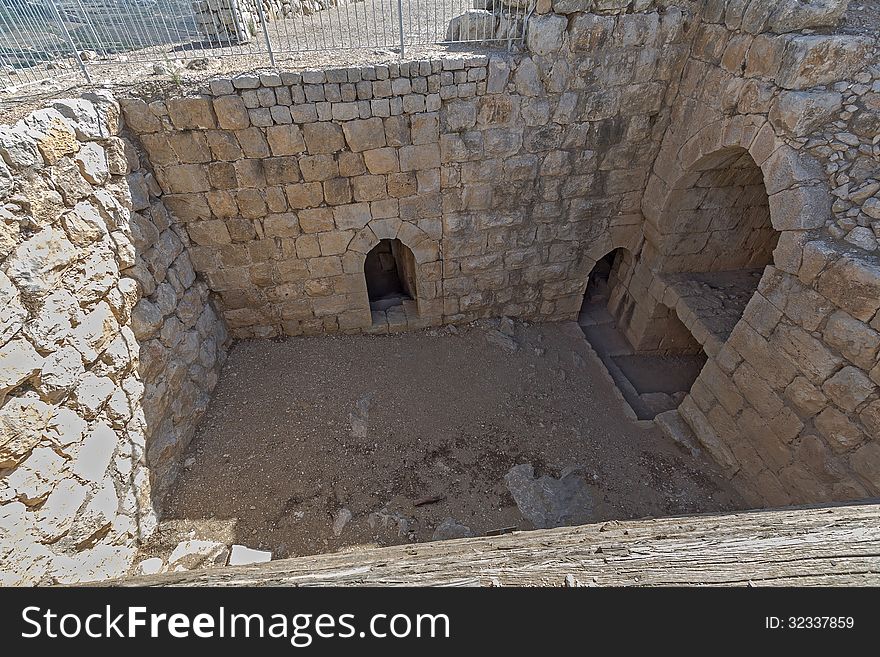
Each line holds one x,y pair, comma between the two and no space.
837,545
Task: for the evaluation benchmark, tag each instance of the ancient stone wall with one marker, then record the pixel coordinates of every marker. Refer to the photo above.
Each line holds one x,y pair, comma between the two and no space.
92,412
788,402
497,173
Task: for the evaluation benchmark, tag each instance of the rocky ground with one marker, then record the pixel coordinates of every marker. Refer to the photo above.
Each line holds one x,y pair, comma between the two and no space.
360,40
313,445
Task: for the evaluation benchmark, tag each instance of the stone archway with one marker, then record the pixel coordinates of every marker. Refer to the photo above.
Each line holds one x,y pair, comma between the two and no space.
425,279
705,254
731,198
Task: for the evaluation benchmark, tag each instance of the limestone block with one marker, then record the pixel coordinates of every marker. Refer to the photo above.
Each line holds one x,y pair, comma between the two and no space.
855,340
56,516
19,361
190,147
107,107
795,15
424,156
91,393
184,179
61,372
37,264
285,139
323,138
224,146
853,283
840,433
307,195
138,116
84,117
23,422
353,216
146,319
253,142
249,173
802,112
54,135
866,463
337,191
806,353
382,160
68,180
805,397
814,60
33,480
18,149
544,33
84,224
221,175
318,167
848,388
335,242
92,162
191,113
499,73
364,135
800,208
286,224
12,312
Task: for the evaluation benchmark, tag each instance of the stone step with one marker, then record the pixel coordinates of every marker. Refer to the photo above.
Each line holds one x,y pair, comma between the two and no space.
674,427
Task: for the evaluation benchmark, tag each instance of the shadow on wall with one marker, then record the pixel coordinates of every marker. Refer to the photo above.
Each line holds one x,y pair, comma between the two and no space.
108,345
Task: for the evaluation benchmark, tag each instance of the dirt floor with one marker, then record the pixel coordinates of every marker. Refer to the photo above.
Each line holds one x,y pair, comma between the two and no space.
303,432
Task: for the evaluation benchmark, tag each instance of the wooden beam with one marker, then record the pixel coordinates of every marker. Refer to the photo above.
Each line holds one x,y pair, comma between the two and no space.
837,545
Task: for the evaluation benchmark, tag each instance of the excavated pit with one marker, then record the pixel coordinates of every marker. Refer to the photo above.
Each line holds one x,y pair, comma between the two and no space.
311,445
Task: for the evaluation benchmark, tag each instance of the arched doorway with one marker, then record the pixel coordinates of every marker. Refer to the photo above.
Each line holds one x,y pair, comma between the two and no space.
390,274
698,269
651,383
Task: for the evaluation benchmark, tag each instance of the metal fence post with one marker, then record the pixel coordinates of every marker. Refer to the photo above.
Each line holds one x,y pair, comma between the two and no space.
76,53
400,23
260,11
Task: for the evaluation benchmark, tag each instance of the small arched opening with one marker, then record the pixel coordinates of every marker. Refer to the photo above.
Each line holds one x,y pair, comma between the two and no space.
650,382
390,273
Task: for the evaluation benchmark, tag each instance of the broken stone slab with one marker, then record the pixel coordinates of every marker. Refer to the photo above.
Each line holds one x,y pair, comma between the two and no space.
242,556
360,416
149,566
548,502
502,340
450,529
340,520
674,427
191,554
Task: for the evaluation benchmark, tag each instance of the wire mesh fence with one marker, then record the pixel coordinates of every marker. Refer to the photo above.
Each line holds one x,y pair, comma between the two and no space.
50,39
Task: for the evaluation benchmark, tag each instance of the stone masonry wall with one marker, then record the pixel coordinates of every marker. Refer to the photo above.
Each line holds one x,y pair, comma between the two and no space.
87,404
789,403
498,173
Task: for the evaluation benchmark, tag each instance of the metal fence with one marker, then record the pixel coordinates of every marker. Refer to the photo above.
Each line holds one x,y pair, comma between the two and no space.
44,40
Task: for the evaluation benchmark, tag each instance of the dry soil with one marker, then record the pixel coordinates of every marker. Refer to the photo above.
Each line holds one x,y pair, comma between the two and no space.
450,412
